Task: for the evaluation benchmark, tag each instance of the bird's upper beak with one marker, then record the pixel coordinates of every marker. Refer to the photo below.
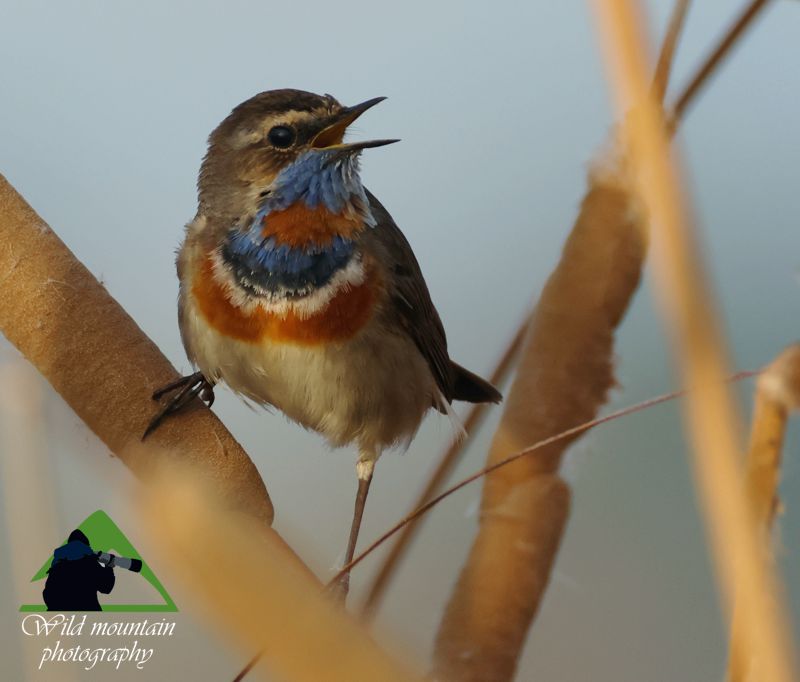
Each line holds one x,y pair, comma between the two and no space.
332,135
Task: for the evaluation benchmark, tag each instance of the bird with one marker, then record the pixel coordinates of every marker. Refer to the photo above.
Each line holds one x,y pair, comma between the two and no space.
299,292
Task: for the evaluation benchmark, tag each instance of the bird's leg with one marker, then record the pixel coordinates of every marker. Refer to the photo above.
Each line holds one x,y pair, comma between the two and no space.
188,388
364,468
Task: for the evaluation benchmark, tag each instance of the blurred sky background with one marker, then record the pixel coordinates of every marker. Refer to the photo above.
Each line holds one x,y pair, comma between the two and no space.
104,113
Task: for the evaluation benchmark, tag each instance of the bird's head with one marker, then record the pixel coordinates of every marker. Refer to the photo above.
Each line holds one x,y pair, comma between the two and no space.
278,147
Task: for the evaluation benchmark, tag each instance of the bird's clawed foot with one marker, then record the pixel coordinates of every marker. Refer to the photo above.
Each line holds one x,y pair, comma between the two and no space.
186,390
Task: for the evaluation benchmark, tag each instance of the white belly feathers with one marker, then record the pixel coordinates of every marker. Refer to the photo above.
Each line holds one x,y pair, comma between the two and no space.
372,389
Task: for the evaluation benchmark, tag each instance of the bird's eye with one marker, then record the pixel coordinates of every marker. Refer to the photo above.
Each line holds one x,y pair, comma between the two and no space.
281,137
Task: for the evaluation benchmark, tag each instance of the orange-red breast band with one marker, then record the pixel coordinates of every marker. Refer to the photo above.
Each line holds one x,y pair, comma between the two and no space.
347,312
298,225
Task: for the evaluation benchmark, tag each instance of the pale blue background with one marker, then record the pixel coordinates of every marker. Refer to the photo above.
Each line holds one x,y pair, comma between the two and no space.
104,111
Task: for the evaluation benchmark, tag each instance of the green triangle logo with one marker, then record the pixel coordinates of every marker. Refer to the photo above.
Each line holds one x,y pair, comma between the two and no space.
105,535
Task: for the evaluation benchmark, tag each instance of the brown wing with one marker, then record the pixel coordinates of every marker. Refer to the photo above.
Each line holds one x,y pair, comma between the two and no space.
412,301
418,317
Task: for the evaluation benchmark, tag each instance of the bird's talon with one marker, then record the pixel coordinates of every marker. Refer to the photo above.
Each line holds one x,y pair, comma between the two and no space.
188,388
207,395
173,385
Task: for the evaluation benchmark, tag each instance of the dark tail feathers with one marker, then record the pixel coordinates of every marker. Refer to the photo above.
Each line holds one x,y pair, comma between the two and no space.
471,388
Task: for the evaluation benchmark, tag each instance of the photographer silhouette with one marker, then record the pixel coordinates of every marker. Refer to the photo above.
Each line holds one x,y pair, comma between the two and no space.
76,576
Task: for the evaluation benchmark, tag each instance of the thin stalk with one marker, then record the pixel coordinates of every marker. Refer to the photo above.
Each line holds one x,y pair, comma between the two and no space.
714,59
667,54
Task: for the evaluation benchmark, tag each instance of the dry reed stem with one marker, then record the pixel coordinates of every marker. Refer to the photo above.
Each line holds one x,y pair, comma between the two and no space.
777,395
667,52
563,378
65,322
720,51
690,314
443,469
254,594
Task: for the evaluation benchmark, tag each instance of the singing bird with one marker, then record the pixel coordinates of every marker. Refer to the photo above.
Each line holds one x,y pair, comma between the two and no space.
298,290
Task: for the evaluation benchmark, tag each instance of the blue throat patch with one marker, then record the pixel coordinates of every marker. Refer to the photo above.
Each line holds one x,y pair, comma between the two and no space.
265,269
321,177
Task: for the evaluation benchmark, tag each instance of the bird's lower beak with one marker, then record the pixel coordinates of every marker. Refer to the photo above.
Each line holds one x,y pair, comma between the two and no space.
331,137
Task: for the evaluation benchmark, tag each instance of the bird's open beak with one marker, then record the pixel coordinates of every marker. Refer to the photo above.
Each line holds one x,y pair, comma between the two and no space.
331,137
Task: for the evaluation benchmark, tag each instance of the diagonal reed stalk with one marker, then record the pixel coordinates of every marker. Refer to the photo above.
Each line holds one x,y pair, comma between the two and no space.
690,313
264,601
563,378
